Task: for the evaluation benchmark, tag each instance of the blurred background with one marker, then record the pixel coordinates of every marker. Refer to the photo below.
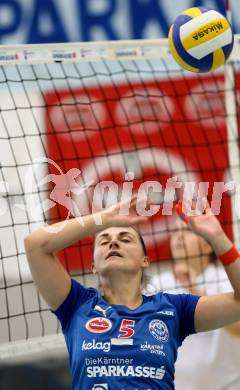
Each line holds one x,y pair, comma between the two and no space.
56,21
51,21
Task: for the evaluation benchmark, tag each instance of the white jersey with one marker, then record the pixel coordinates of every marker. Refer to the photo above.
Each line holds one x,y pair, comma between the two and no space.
209,360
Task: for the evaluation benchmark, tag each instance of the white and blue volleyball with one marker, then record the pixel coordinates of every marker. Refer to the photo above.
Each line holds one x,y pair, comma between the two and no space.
201,39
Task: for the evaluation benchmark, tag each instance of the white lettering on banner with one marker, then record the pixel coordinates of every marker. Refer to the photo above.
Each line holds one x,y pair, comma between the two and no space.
144,109
92,116
123,371
45,21
210,104
103,346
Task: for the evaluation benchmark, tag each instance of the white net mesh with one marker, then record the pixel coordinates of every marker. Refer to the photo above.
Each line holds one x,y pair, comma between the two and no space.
105,109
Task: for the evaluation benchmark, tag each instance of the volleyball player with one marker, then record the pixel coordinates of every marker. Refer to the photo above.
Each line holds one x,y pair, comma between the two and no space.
121,339
197,270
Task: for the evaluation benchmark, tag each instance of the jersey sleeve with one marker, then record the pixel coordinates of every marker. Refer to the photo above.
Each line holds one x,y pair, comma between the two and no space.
77,296
185,305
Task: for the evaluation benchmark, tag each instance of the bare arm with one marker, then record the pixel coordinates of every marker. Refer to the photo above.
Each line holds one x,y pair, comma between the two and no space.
52,280
220,310
233,329
187,276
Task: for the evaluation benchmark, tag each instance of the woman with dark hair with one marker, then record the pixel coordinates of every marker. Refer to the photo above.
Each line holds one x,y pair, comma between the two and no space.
123,339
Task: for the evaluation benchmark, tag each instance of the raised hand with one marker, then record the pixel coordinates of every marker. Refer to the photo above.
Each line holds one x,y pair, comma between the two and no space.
204,224
123,213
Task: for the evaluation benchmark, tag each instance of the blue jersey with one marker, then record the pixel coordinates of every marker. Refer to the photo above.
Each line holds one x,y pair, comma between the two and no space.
114,347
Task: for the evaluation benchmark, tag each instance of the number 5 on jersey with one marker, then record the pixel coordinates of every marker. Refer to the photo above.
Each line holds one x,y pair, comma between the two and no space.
126,330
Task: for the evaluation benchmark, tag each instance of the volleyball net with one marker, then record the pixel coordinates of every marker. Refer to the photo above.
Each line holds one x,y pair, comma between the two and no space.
122,114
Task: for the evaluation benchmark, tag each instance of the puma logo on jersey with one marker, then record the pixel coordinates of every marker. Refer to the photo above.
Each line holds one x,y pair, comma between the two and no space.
103,311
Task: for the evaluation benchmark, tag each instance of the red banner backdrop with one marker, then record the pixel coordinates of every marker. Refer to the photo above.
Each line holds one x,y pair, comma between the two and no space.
156,129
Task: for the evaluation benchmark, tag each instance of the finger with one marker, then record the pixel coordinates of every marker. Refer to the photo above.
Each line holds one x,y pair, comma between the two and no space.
134,197
133,201
140,202
127,203
208,208
196,207
179,210
192,222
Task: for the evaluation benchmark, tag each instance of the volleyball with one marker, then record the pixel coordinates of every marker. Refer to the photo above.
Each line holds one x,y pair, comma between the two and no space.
200,39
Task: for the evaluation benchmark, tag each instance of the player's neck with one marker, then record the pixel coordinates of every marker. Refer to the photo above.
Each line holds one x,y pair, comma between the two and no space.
127,293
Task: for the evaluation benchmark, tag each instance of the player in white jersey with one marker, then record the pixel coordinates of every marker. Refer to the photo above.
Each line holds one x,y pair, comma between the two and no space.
196,270
122,339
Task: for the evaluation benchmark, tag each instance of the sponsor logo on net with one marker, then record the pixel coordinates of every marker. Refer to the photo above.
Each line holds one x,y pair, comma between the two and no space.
69,190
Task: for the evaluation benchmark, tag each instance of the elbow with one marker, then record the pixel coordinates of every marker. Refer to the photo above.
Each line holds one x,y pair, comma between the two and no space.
29,243
34,241
237,296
